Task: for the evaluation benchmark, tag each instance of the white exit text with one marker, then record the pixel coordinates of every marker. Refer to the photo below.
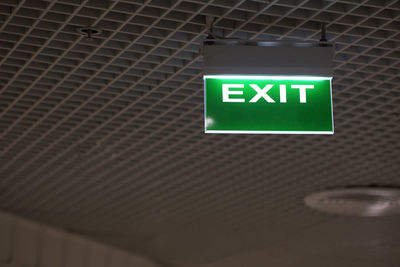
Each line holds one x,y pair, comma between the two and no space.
262,93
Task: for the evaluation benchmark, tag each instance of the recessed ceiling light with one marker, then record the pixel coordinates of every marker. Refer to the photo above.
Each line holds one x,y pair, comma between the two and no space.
362,201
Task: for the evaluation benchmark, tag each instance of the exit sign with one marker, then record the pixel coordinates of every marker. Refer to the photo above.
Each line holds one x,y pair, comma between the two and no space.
268,104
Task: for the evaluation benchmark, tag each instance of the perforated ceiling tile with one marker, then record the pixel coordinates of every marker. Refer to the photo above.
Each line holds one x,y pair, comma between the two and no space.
105,136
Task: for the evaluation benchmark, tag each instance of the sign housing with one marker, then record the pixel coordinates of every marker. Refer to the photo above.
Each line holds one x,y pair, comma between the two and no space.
268,104
267,87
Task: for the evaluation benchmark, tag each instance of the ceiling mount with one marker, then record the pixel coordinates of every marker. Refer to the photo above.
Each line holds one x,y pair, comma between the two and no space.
88,32
361,201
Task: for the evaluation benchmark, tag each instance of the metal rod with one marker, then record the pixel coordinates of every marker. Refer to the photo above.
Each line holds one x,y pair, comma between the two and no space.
323,33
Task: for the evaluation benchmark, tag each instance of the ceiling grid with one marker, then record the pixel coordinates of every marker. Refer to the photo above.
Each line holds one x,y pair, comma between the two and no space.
123,125
111,129
130,159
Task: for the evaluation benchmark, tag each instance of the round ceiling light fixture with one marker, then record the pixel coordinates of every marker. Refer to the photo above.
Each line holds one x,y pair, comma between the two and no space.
357,201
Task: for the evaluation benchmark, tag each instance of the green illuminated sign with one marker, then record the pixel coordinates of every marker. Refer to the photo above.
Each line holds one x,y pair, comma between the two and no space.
268,104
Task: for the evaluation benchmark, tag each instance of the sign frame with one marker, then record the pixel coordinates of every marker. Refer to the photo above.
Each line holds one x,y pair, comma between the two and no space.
268,77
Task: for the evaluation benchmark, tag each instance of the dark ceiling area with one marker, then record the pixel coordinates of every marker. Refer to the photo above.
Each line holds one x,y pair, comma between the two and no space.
104,136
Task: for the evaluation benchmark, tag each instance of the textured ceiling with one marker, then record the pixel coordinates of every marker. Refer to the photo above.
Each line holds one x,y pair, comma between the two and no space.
104,137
